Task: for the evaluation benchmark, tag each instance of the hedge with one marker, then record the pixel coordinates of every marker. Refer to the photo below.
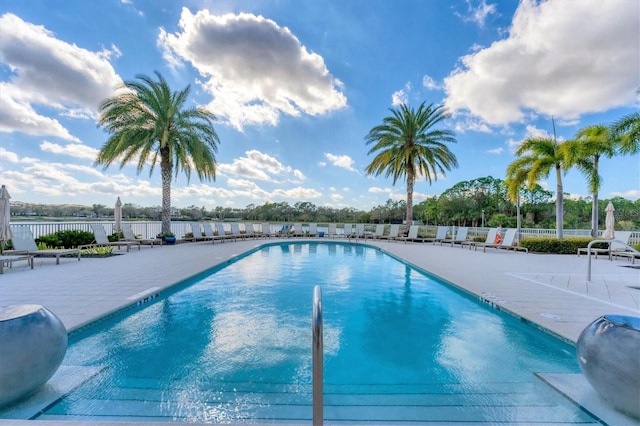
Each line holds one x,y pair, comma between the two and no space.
66,239
554,245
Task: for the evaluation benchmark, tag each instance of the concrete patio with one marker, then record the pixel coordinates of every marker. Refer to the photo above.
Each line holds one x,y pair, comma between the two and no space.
550,291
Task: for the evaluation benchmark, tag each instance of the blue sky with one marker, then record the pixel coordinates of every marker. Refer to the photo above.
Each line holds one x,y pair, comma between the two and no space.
296,86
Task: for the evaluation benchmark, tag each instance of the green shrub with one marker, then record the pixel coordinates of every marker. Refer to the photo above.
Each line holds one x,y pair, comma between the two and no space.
116,236
556,246
66,239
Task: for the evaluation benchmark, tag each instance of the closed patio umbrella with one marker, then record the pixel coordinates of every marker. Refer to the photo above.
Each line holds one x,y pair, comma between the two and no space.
609,222
117,215
5,217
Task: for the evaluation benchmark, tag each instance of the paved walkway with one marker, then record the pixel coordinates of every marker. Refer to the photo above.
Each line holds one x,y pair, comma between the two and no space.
550,291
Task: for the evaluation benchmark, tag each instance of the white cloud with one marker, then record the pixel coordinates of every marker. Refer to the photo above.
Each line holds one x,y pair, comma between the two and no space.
632,194
298,193
496,151
50,72
8,156
478,14
254,69
401,97
553,63
336,197
258,165
343,161
376,190
73,149
471,124
430,83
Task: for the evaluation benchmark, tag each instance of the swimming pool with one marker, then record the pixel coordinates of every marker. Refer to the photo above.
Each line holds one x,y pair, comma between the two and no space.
400,346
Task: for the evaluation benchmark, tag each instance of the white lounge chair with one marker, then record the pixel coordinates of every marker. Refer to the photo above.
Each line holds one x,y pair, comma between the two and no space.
101,239
235,231
491,239
196,231
208,231
612,248
222,234
24,243
347,230
379,231
7,260
332,230
394,232
459,237
131,237
248,230
313,230
412,235
266,230
441,234
297,231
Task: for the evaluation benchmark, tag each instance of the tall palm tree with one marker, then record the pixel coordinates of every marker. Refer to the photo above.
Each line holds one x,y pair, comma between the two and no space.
627,129
584,152
537,157
408,145
149,124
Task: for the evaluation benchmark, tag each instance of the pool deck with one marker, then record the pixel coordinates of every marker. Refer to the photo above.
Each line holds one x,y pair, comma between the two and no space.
550,291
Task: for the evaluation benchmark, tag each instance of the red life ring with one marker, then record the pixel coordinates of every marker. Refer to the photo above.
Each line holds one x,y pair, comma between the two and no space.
498,239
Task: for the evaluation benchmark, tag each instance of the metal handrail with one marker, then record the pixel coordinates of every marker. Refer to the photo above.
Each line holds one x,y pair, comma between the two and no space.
623,243
317,373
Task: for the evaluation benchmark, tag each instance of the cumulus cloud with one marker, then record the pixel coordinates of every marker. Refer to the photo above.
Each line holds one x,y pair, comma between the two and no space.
560,58
260,166
50,72
633,194
430,83
477,14
496,151
255,69
73,149
297,193
401,97
342,161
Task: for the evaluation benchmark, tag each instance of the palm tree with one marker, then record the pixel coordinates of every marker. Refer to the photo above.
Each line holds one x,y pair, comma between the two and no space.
584,152
537,158
407,145
148,123
627,129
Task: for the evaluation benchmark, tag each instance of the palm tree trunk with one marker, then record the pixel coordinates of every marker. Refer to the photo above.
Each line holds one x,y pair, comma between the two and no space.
559,203
410,180
594,215
165,170
594,206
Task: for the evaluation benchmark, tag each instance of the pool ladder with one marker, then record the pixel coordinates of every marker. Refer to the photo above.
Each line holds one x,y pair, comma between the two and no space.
317,351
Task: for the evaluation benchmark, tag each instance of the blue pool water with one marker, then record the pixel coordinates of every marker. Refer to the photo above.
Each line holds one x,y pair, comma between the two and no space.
400,346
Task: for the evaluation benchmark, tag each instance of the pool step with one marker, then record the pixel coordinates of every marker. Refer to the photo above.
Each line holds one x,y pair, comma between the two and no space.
291,403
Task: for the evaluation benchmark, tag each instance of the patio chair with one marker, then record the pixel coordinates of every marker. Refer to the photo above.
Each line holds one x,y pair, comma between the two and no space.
235,231
208,231
459,238
394,232
8,260
491,239
24,243
508,243
196,231
612,247
222,234
131,237
359,231
297,231
248,230
313,230
101,240
441,234
332,230
379,231
266,230
347,229
412,235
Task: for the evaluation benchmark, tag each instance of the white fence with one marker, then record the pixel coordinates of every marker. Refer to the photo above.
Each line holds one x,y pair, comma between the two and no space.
149,229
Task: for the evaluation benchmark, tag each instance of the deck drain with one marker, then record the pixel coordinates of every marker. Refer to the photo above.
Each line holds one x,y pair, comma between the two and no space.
550,316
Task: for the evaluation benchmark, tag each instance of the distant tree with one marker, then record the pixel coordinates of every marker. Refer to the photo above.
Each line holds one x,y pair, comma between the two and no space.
407,145
537,158
148,123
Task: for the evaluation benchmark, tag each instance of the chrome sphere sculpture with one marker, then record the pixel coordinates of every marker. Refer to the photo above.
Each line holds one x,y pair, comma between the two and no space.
33,342
608,352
